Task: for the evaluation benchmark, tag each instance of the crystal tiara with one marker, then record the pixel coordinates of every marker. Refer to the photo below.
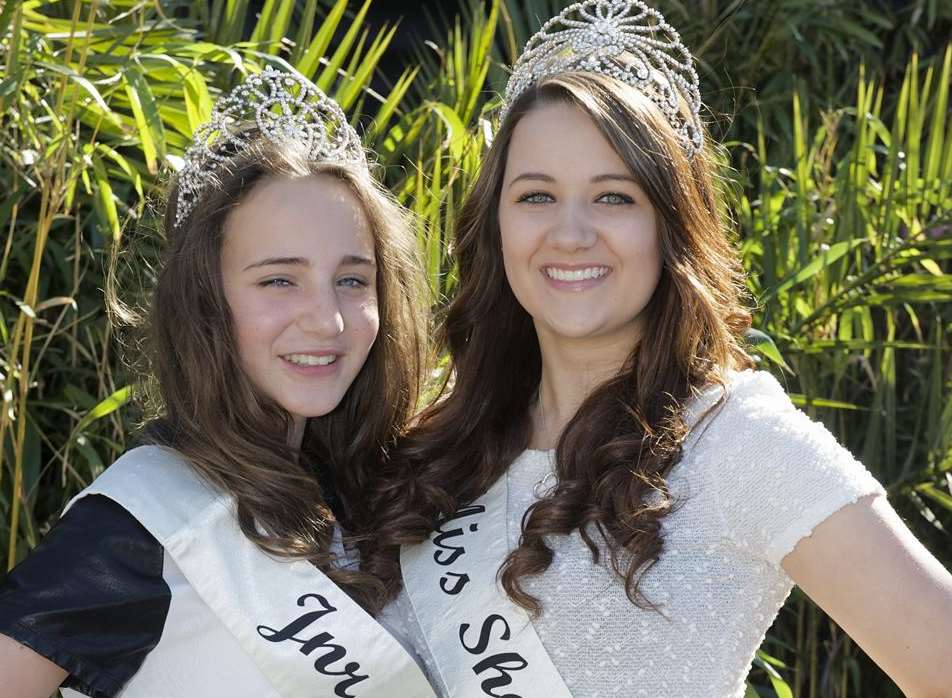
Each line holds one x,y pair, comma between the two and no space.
285,108
626,40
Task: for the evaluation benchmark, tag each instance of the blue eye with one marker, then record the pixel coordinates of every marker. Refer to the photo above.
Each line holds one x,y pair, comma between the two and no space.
614,198
275,283
535,197
352,282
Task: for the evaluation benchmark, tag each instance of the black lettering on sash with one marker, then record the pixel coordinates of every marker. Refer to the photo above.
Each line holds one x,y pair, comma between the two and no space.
455,551
499,665
502,662
448,553
298,624
443,535
322,640
461,581
484,638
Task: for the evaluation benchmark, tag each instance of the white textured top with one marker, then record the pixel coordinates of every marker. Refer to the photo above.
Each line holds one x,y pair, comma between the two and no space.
756,476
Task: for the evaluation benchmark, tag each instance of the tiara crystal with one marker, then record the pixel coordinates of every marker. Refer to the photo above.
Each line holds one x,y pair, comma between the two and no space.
626,40
281,107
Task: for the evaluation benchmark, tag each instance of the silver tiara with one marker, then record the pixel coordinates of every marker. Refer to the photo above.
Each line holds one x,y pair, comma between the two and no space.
285,108
625,39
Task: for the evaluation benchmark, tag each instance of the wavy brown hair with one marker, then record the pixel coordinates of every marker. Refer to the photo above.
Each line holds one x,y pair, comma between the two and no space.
625,437
234,436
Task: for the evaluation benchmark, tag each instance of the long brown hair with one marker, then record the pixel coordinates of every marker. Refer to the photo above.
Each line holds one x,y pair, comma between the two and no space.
626,436
234,436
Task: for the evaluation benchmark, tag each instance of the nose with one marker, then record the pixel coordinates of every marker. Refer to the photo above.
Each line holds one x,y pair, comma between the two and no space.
320,315
573,231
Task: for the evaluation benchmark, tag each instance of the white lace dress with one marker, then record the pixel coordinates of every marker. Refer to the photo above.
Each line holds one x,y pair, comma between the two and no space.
757,476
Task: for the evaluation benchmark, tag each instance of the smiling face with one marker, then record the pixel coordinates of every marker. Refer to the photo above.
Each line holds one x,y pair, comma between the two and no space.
579,236
299,275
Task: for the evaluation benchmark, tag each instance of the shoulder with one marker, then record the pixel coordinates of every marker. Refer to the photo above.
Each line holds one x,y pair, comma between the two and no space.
136,467
159,487
96,524
750,404
752,432
149,460
96,535
754,391
752,383
750,392
99,535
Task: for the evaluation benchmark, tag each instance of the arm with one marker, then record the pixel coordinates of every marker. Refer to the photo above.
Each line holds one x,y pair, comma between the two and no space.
870,574
85,607
26,674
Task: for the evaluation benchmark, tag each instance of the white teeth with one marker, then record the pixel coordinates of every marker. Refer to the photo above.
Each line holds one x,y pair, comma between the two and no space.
576,274
310,360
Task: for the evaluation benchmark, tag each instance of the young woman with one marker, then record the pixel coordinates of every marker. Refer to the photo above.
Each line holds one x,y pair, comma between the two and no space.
286,344
647,499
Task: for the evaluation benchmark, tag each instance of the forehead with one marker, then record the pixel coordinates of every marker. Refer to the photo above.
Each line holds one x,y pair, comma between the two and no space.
560,138
312,217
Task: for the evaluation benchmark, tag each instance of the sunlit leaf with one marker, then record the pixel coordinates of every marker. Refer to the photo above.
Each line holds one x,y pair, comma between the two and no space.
146,114
763,343
104,408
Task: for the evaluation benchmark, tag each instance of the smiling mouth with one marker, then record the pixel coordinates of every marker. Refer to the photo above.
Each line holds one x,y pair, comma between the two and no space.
584,274
310,359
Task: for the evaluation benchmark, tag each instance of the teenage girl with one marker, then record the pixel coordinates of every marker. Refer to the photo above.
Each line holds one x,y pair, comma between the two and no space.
609,500
286,341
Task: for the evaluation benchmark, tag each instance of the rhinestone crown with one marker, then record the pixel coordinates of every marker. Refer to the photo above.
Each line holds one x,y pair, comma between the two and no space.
626,40
285,108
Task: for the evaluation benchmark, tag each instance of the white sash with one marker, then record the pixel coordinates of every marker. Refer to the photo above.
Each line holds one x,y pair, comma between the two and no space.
482,643
302,631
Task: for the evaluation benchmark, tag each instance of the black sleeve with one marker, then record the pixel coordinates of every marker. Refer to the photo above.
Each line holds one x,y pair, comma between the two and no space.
91,596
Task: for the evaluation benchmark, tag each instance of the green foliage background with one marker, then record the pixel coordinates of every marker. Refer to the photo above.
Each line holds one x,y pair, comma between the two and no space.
838,172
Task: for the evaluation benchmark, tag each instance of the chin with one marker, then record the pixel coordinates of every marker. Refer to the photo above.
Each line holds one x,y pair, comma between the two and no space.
579,329
309,410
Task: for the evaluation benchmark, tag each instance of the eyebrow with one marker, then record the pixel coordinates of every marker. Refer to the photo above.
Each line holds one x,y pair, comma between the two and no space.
613,176
539,176
356,260
532,175
346,260
275,261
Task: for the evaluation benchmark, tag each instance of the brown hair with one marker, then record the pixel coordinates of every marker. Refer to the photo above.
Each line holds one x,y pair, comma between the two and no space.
233,435
626,436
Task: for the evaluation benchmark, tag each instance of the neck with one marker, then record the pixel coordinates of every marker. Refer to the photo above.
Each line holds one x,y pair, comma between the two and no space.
571,370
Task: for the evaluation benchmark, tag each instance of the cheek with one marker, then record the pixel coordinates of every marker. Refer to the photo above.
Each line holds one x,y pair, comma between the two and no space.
648,266
642,245
649,253
255,325
518,245
653,254
364,322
